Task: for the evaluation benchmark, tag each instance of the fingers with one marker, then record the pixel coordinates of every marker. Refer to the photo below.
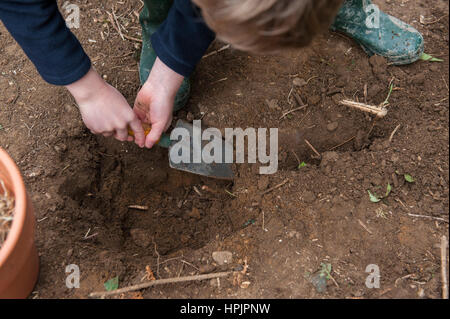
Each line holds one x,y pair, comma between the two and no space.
121,134
155,134
139,134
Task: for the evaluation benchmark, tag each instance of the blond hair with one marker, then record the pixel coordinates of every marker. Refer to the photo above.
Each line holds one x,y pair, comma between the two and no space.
268,25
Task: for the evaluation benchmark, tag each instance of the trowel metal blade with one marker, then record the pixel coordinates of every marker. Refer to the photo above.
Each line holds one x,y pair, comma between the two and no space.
215,170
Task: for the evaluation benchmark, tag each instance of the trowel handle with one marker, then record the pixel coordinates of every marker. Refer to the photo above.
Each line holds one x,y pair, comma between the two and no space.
164,140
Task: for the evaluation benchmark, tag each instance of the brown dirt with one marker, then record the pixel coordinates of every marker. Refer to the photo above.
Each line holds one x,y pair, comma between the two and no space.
81,185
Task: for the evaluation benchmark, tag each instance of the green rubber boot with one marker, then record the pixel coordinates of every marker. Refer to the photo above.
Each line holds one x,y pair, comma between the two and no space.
379,33
151,17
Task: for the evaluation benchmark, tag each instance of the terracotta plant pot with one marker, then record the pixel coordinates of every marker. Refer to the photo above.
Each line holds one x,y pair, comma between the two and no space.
19,261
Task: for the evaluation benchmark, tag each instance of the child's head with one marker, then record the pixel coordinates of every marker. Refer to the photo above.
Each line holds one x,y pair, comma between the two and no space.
268,25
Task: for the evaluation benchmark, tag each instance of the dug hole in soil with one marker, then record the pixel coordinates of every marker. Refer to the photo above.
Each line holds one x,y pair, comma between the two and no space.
82,185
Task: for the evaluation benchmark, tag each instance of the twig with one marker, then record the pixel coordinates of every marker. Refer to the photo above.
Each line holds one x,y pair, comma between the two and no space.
364,226
114,22
197,191
188,263
216,51
131,38
157,260
444,244
422,20
275,187
138,207
292,111
230,193
298,99
101,294
343,143
393,133
295,154
313,149
430,217
378,111
334,281
445,82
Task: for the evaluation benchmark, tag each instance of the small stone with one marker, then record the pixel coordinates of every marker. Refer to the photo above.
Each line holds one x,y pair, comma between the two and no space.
263,182
206,269
222,257
245,284
195,213
314,99
272,104
331,127
140,237
69,253
309,197
299,82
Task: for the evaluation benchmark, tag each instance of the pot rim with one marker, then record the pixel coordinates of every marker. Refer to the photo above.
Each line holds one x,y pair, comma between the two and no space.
20,200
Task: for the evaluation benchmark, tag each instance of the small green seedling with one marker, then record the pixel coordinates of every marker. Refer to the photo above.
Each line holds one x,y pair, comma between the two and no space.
373,198
302,164
409,178
386,102
325,271
112,284
388,190
427,57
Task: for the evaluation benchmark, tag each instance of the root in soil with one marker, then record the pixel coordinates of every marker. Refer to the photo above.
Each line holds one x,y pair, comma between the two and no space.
6,212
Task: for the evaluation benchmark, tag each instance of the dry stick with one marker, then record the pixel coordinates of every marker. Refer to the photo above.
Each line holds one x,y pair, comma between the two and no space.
364,226
216,51
131,38
343,143
298,99
434,21
275,187
295,154
292,111
430,217
158,282
157,260
114,22
444,244
378,111
138,207
312,147
393,133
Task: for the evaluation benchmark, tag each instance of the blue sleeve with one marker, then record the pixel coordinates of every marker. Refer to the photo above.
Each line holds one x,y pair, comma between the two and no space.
40,30
183,38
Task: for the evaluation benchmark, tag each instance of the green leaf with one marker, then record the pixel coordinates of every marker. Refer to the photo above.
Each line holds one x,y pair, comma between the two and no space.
302,164
427,57
409,178
388,190
373,198
112,284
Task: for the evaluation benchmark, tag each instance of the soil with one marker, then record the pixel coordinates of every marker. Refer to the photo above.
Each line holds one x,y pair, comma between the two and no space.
82,185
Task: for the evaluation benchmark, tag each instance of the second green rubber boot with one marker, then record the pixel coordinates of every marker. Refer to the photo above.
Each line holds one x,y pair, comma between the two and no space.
379,33
151,17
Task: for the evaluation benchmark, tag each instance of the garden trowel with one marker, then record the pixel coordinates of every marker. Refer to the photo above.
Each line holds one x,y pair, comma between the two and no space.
221,170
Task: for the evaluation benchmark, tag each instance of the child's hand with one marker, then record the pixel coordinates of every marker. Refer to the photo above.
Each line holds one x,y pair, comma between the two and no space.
154,102
104,110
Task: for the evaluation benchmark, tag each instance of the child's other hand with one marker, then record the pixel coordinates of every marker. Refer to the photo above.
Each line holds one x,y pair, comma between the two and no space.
154,102
104,110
